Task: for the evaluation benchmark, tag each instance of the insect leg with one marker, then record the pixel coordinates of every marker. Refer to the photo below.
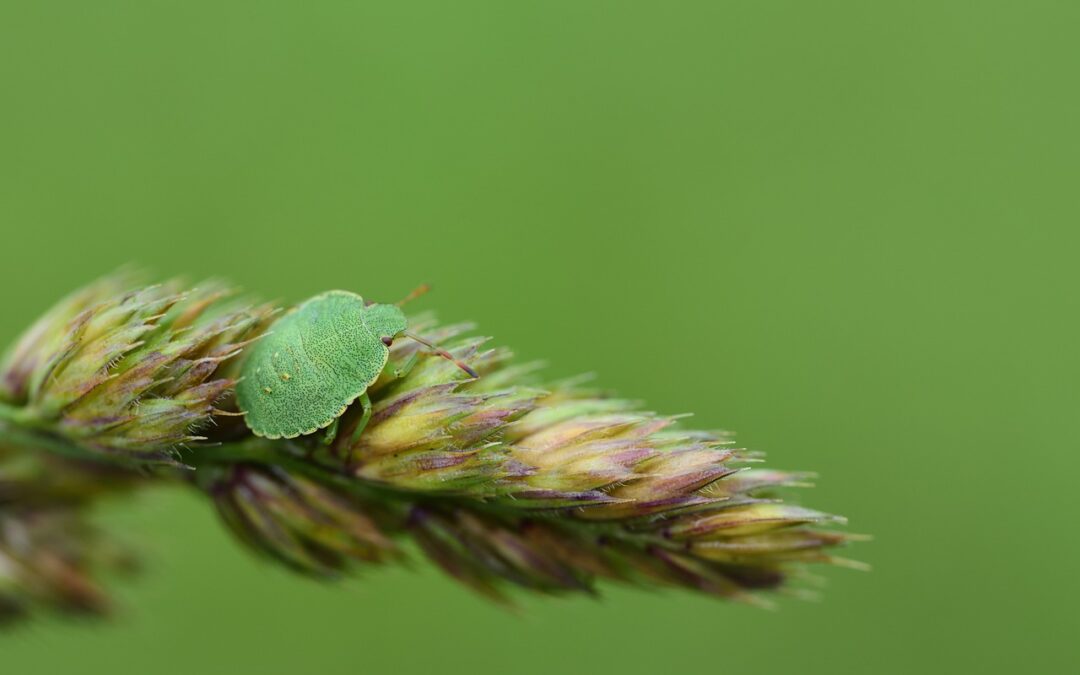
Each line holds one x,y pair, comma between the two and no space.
365,401
331,433
405,368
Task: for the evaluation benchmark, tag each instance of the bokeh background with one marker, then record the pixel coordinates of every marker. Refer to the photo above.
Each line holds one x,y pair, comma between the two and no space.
846,230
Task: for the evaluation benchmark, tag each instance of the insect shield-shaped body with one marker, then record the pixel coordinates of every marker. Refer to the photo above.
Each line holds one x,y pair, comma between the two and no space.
316,361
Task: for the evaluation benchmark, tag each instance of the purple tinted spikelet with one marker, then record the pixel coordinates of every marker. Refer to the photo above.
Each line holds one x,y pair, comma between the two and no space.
52,560
501,479
52,557
306,526
134,373
553,488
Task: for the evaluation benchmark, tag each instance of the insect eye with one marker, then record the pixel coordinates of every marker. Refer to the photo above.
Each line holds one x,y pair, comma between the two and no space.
388,341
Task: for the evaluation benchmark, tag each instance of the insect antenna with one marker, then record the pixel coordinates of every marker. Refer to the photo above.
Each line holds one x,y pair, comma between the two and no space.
414,294
443,353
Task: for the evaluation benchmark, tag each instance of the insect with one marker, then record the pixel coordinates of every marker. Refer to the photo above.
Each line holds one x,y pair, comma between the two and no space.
318,360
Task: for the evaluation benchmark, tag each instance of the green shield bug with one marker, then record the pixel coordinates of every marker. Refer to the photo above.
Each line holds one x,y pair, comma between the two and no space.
316,361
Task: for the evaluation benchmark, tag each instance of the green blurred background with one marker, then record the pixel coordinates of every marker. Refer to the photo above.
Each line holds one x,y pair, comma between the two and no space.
847,230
